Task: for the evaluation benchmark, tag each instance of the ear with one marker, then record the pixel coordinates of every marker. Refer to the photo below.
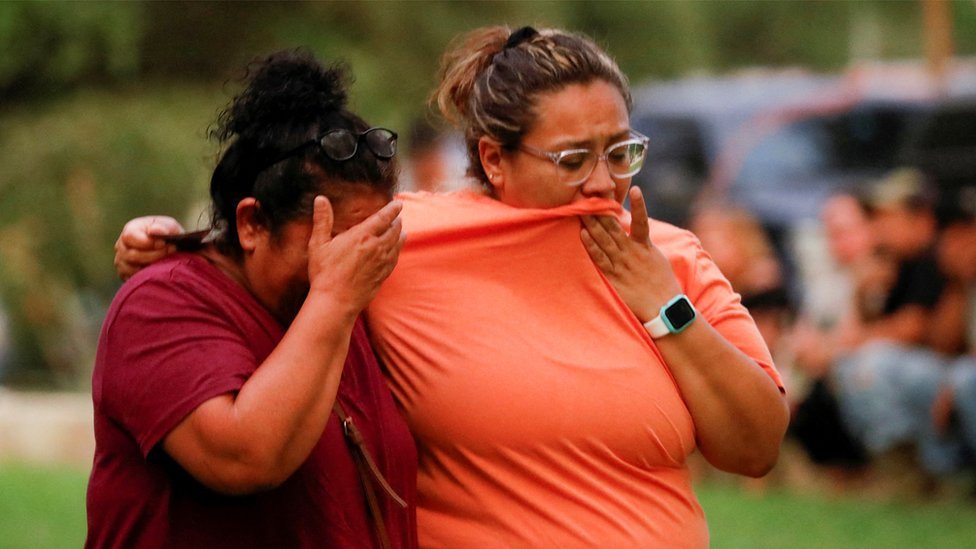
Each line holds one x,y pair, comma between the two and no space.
251,228
491,154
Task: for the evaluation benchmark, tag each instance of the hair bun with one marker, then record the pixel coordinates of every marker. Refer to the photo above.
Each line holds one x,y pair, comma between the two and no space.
285,89
521,35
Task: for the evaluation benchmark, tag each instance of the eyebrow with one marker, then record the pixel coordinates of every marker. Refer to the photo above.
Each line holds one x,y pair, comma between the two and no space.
583,144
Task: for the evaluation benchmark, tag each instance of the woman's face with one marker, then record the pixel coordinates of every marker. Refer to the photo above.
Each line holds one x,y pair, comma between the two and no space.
847,229
278,271
591,116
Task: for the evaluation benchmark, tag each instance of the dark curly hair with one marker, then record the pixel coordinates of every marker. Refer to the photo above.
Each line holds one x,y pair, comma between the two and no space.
289,99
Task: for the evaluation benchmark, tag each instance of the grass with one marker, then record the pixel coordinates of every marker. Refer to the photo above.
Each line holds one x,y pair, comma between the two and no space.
41,507
44,507
777,519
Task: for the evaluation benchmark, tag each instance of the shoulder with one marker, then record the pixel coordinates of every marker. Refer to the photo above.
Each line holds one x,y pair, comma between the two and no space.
175,266
692,265
672,239
680,246
425,211
461,199
175,274
176,282
157,277
182,305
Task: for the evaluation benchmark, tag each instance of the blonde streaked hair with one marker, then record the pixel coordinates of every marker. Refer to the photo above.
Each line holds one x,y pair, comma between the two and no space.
490,85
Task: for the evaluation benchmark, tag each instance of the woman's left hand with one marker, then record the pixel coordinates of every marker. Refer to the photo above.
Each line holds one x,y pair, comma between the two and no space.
638,270
141,243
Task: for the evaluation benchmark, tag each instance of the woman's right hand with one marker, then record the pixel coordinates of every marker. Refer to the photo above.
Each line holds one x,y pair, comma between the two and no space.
637,269
141,243
351,265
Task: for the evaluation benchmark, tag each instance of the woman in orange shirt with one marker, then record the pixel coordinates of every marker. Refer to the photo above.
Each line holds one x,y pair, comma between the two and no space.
557,361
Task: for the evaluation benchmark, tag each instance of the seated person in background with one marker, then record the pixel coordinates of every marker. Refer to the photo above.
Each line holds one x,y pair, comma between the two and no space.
849,241
955,407
901,210
955,332
218,371
830,309
888,378
897,381
834,294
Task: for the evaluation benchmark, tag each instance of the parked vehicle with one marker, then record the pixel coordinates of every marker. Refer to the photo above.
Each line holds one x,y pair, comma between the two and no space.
778,143
943,145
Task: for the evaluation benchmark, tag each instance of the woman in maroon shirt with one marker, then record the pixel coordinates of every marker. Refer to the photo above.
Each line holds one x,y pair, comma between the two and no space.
218,370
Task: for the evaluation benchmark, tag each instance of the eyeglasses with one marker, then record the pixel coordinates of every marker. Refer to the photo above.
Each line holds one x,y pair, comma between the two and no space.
341,144
574,166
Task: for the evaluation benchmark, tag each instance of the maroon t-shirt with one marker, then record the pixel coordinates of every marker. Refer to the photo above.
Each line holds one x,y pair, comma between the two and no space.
180,333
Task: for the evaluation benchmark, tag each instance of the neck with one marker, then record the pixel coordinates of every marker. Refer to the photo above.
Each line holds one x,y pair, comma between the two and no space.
236,270
226,264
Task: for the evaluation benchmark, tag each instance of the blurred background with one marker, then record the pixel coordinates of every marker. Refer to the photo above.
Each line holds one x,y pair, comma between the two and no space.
760,115
104,111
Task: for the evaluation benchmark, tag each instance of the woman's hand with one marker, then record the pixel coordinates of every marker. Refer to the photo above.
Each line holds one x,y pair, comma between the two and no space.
141,243
638,271
356,261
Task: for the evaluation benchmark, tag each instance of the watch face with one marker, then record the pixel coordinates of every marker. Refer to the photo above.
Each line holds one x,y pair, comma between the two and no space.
679,314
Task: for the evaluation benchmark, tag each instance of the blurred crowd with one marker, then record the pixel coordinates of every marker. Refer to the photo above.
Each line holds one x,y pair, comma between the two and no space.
879,342
435,159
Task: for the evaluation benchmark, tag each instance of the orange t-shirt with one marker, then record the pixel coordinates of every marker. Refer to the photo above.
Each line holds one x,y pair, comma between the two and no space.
543,413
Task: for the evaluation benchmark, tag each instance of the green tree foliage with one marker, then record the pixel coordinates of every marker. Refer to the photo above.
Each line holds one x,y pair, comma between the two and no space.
49,47
71,173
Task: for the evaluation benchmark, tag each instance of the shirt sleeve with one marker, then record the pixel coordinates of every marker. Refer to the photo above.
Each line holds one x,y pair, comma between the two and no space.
718,303
168,350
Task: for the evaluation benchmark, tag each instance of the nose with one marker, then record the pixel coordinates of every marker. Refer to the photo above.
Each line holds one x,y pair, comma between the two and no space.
599,184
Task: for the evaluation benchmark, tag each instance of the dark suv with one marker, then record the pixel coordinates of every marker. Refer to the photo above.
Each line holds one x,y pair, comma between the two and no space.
943,145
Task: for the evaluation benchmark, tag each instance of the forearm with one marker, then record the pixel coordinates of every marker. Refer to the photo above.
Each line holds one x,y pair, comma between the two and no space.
258,438
740,414
907,325
284,406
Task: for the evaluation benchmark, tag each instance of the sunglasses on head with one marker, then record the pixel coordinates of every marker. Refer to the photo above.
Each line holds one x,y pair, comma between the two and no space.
342,144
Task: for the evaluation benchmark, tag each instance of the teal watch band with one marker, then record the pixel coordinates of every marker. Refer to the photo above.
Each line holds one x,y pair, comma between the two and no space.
674,317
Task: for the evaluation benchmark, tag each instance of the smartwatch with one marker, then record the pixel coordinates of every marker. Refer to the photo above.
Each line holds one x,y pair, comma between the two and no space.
675,316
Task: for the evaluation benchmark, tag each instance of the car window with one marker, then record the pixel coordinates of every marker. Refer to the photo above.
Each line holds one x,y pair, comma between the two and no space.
676,165
863,140
797,150
870,139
